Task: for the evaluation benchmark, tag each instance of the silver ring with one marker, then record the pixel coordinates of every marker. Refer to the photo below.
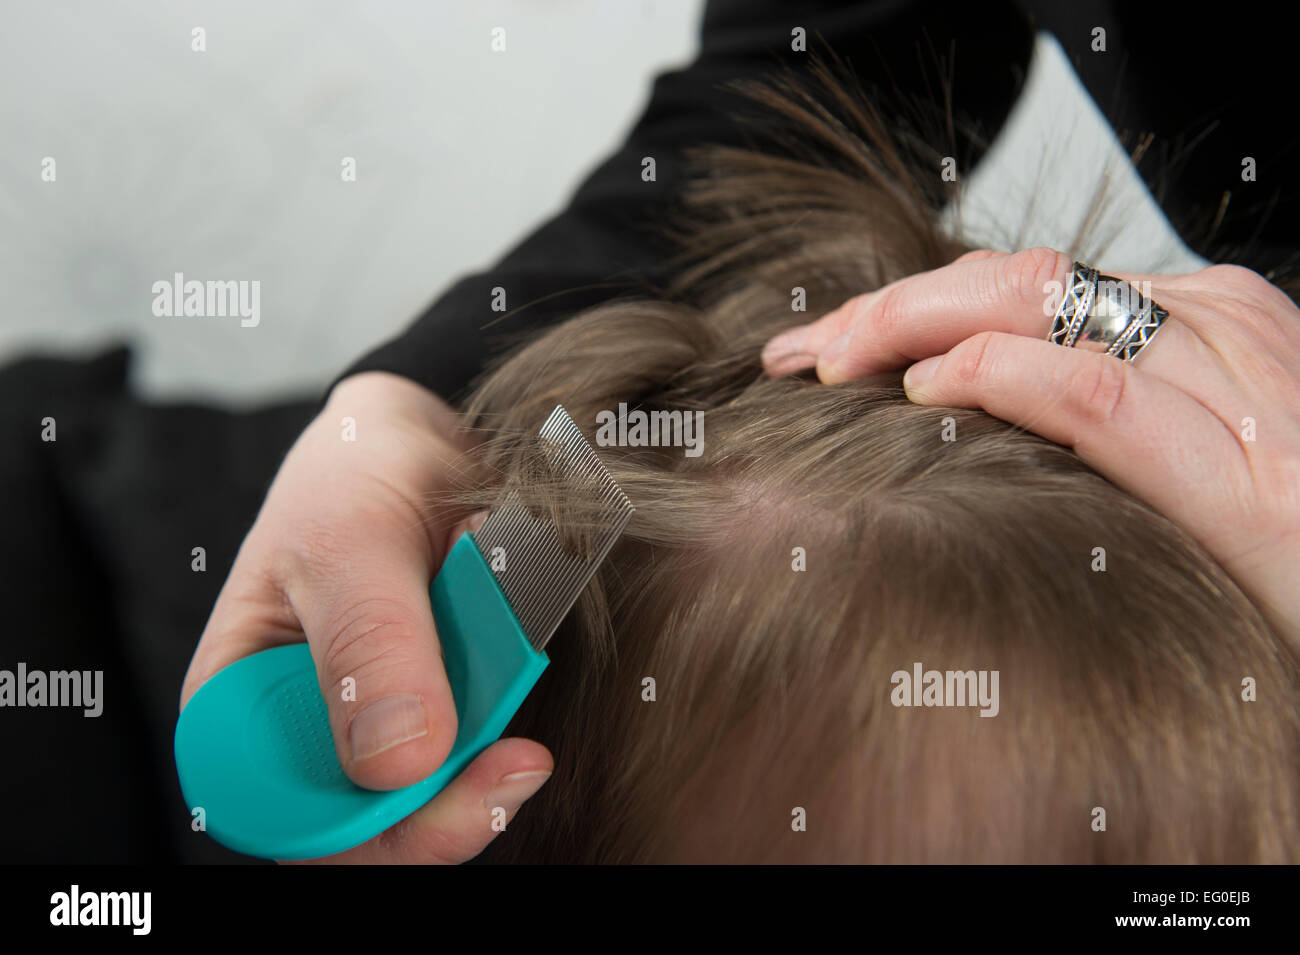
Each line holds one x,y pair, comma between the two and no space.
1105,314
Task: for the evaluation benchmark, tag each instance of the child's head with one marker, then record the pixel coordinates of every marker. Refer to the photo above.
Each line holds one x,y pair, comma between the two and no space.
741,652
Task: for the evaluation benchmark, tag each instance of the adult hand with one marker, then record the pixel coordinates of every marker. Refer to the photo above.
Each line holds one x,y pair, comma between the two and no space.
341,555
1204,425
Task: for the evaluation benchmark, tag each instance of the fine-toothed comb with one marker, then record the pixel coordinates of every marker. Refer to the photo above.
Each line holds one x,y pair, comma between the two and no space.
254,749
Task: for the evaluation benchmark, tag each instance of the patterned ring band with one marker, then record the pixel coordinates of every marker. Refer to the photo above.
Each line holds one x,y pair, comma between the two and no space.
1106,314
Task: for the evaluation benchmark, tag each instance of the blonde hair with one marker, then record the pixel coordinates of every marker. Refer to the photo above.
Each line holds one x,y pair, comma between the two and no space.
1120,690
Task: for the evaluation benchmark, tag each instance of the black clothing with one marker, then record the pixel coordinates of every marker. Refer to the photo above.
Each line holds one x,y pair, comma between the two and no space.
1161,72
96,562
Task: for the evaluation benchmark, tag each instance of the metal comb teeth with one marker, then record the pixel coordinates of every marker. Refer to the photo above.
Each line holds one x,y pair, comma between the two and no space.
541,578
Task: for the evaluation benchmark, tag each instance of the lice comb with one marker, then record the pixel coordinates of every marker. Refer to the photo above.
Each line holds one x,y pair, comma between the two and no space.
254,749
541,579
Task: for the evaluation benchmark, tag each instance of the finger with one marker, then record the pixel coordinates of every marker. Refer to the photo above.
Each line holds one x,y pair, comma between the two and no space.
457,824
1143,433
360,587
930,313
924,314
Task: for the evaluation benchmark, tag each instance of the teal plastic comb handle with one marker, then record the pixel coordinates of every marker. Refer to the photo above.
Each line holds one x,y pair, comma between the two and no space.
254,749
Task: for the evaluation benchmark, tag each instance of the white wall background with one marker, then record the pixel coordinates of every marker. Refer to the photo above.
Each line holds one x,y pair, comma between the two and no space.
226,165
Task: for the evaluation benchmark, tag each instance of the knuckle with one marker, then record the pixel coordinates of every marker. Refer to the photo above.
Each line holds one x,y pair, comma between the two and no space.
1264,302
1028,273
451,846
1235,277
851,314
890,312
973,362
365,633
316,549
1098,389
413,842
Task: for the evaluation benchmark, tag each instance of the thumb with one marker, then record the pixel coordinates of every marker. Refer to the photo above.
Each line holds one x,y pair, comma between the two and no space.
363,601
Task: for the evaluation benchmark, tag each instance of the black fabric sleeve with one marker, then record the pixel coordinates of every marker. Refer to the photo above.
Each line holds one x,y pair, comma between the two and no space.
604,245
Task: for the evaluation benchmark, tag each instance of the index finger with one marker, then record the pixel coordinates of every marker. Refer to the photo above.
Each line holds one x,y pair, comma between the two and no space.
931,312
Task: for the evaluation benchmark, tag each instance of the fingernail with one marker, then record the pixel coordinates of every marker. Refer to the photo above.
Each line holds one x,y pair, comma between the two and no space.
789,363
513,790
781,347
387,723
920,373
